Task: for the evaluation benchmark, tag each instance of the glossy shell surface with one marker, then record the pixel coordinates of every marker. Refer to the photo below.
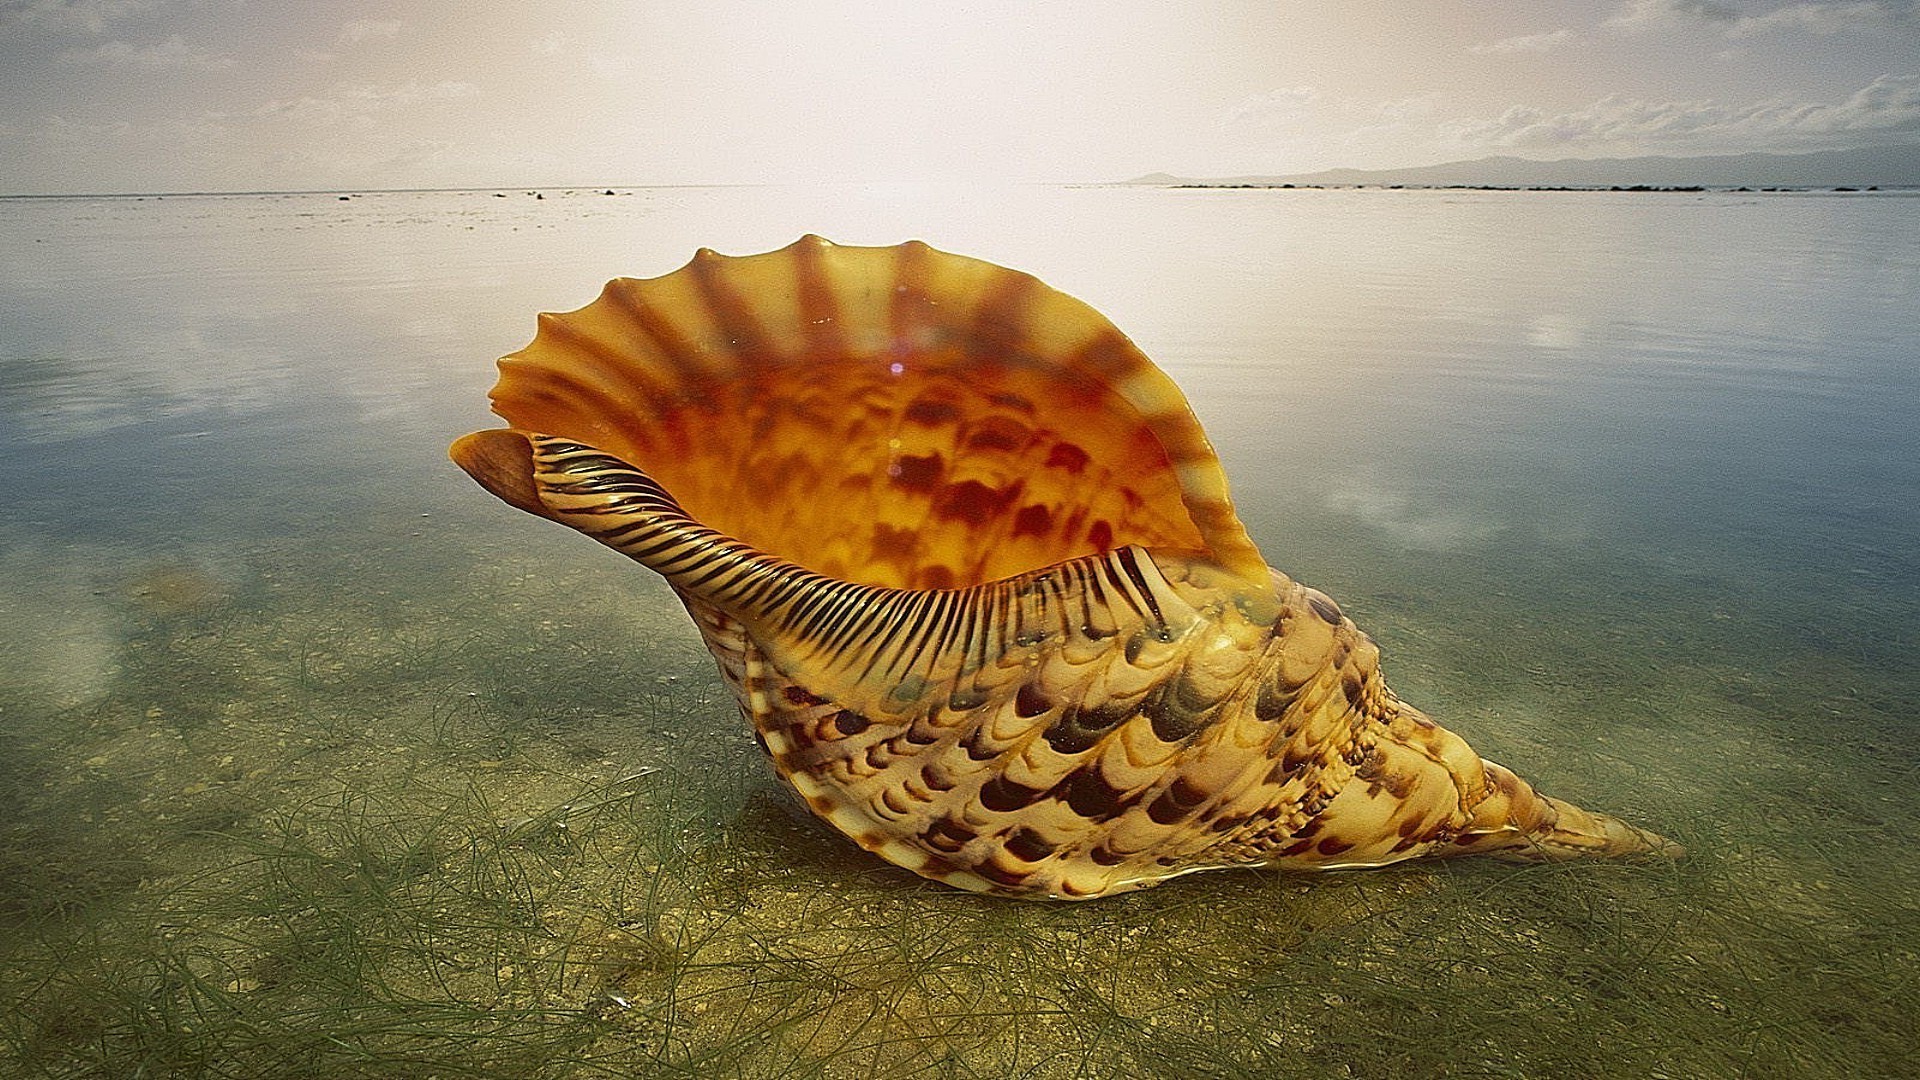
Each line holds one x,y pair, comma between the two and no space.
895,416
969,565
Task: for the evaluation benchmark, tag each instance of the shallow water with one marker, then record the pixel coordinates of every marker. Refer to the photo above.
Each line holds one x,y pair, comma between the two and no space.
317,761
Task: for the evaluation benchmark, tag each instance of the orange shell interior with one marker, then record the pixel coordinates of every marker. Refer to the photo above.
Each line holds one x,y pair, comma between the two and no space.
894,416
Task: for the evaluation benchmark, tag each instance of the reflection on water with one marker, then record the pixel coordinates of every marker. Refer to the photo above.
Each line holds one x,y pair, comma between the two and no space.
315,759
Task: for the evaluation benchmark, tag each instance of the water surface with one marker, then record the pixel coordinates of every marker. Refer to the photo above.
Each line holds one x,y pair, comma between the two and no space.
315,760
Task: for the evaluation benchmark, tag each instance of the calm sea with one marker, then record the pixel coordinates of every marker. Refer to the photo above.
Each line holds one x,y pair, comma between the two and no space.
316,760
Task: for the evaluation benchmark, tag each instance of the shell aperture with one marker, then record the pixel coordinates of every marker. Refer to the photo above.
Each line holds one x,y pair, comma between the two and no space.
969,565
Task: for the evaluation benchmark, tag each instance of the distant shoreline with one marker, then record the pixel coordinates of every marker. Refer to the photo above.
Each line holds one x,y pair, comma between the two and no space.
1860,169
1650,188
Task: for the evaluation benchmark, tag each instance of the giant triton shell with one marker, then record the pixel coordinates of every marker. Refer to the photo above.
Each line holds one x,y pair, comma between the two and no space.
968,563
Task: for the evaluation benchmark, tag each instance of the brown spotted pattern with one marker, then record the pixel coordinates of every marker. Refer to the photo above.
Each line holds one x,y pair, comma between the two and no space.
968,564
896,416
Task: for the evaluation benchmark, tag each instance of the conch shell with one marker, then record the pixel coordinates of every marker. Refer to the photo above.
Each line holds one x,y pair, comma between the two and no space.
968,562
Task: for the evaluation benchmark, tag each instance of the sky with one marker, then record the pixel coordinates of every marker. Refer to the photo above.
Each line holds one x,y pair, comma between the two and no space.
248,95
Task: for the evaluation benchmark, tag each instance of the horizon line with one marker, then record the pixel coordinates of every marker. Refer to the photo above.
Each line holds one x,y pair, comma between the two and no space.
1141,179
532,188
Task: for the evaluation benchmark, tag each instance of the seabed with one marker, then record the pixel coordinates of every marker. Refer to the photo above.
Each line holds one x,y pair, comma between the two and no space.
316,762
308,834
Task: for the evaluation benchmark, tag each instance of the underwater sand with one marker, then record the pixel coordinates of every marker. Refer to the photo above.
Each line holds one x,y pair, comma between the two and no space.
316,761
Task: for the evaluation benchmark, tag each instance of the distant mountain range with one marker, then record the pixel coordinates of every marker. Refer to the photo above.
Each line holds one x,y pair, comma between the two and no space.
1873,166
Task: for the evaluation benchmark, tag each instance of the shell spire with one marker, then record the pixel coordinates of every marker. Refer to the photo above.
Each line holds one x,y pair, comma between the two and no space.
969,566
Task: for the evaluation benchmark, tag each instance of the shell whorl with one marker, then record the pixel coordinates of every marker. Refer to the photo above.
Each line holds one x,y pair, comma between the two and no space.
1096,726
968,563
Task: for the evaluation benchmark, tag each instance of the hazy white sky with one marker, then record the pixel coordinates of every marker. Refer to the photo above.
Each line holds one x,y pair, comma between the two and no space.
171,95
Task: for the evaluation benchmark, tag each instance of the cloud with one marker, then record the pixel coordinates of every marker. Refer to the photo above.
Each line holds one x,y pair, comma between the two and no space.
1273,109
1414,108
360,102
1647,14
1890,105
58,131
366,30
171,53
71,16
1810,16
359,162
1528,43
1833,18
